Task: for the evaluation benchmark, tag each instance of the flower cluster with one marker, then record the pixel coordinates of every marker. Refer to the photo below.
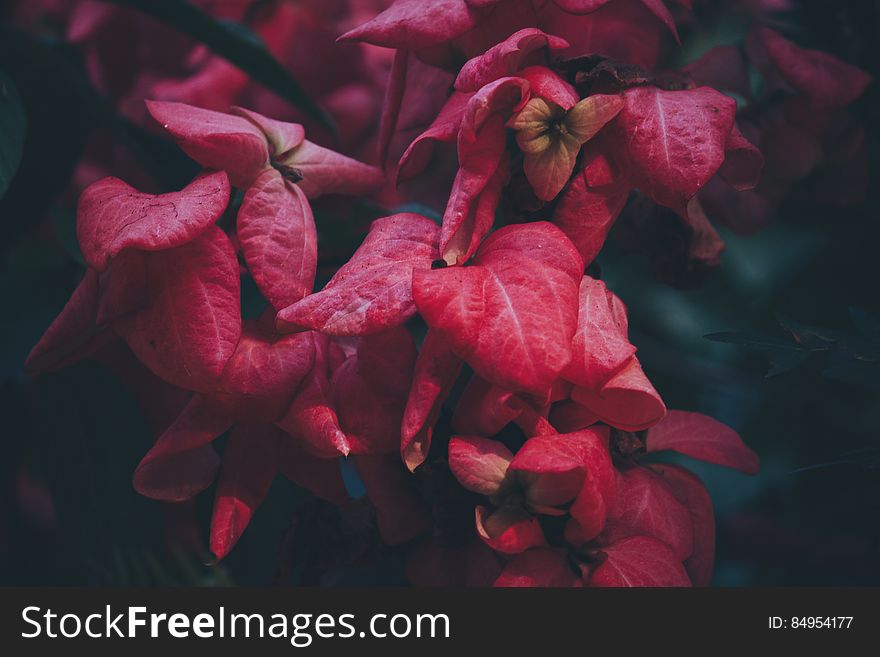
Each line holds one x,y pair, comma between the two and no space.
483,385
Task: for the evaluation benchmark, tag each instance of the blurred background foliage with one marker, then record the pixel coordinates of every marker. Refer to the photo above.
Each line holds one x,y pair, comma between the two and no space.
793,316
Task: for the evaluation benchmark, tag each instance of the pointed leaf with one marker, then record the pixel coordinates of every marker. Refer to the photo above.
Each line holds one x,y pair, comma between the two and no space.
646,507
436,370
311,419
250,463
690,491
215,140
484,409
826,80
327,172
372,292
513,314
639,561
671,143
69,335
415,24
277,235
703,438
182,463
482,167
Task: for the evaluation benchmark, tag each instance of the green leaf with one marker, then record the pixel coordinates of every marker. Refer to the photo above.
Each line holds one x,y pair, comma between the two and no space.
235,43
784,361
754,340
13,125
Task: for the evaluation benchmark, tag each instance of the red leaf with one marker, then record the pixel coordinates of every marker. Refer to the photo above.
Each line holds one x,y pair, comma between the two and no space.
484,409
626,401
250,463
215,140
639,561
112,216
743,162
436,370
589,206
311,419
372,292
415,24
482,168
192,324
570,416
278,239
540,567
703,438
508,532
600,347
553,468
689,490
588,514
479,464
825,79
513,314
282,136
548,85
646,507
265,371
443,129
182,463
514,53
370,391
671,143
327,172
